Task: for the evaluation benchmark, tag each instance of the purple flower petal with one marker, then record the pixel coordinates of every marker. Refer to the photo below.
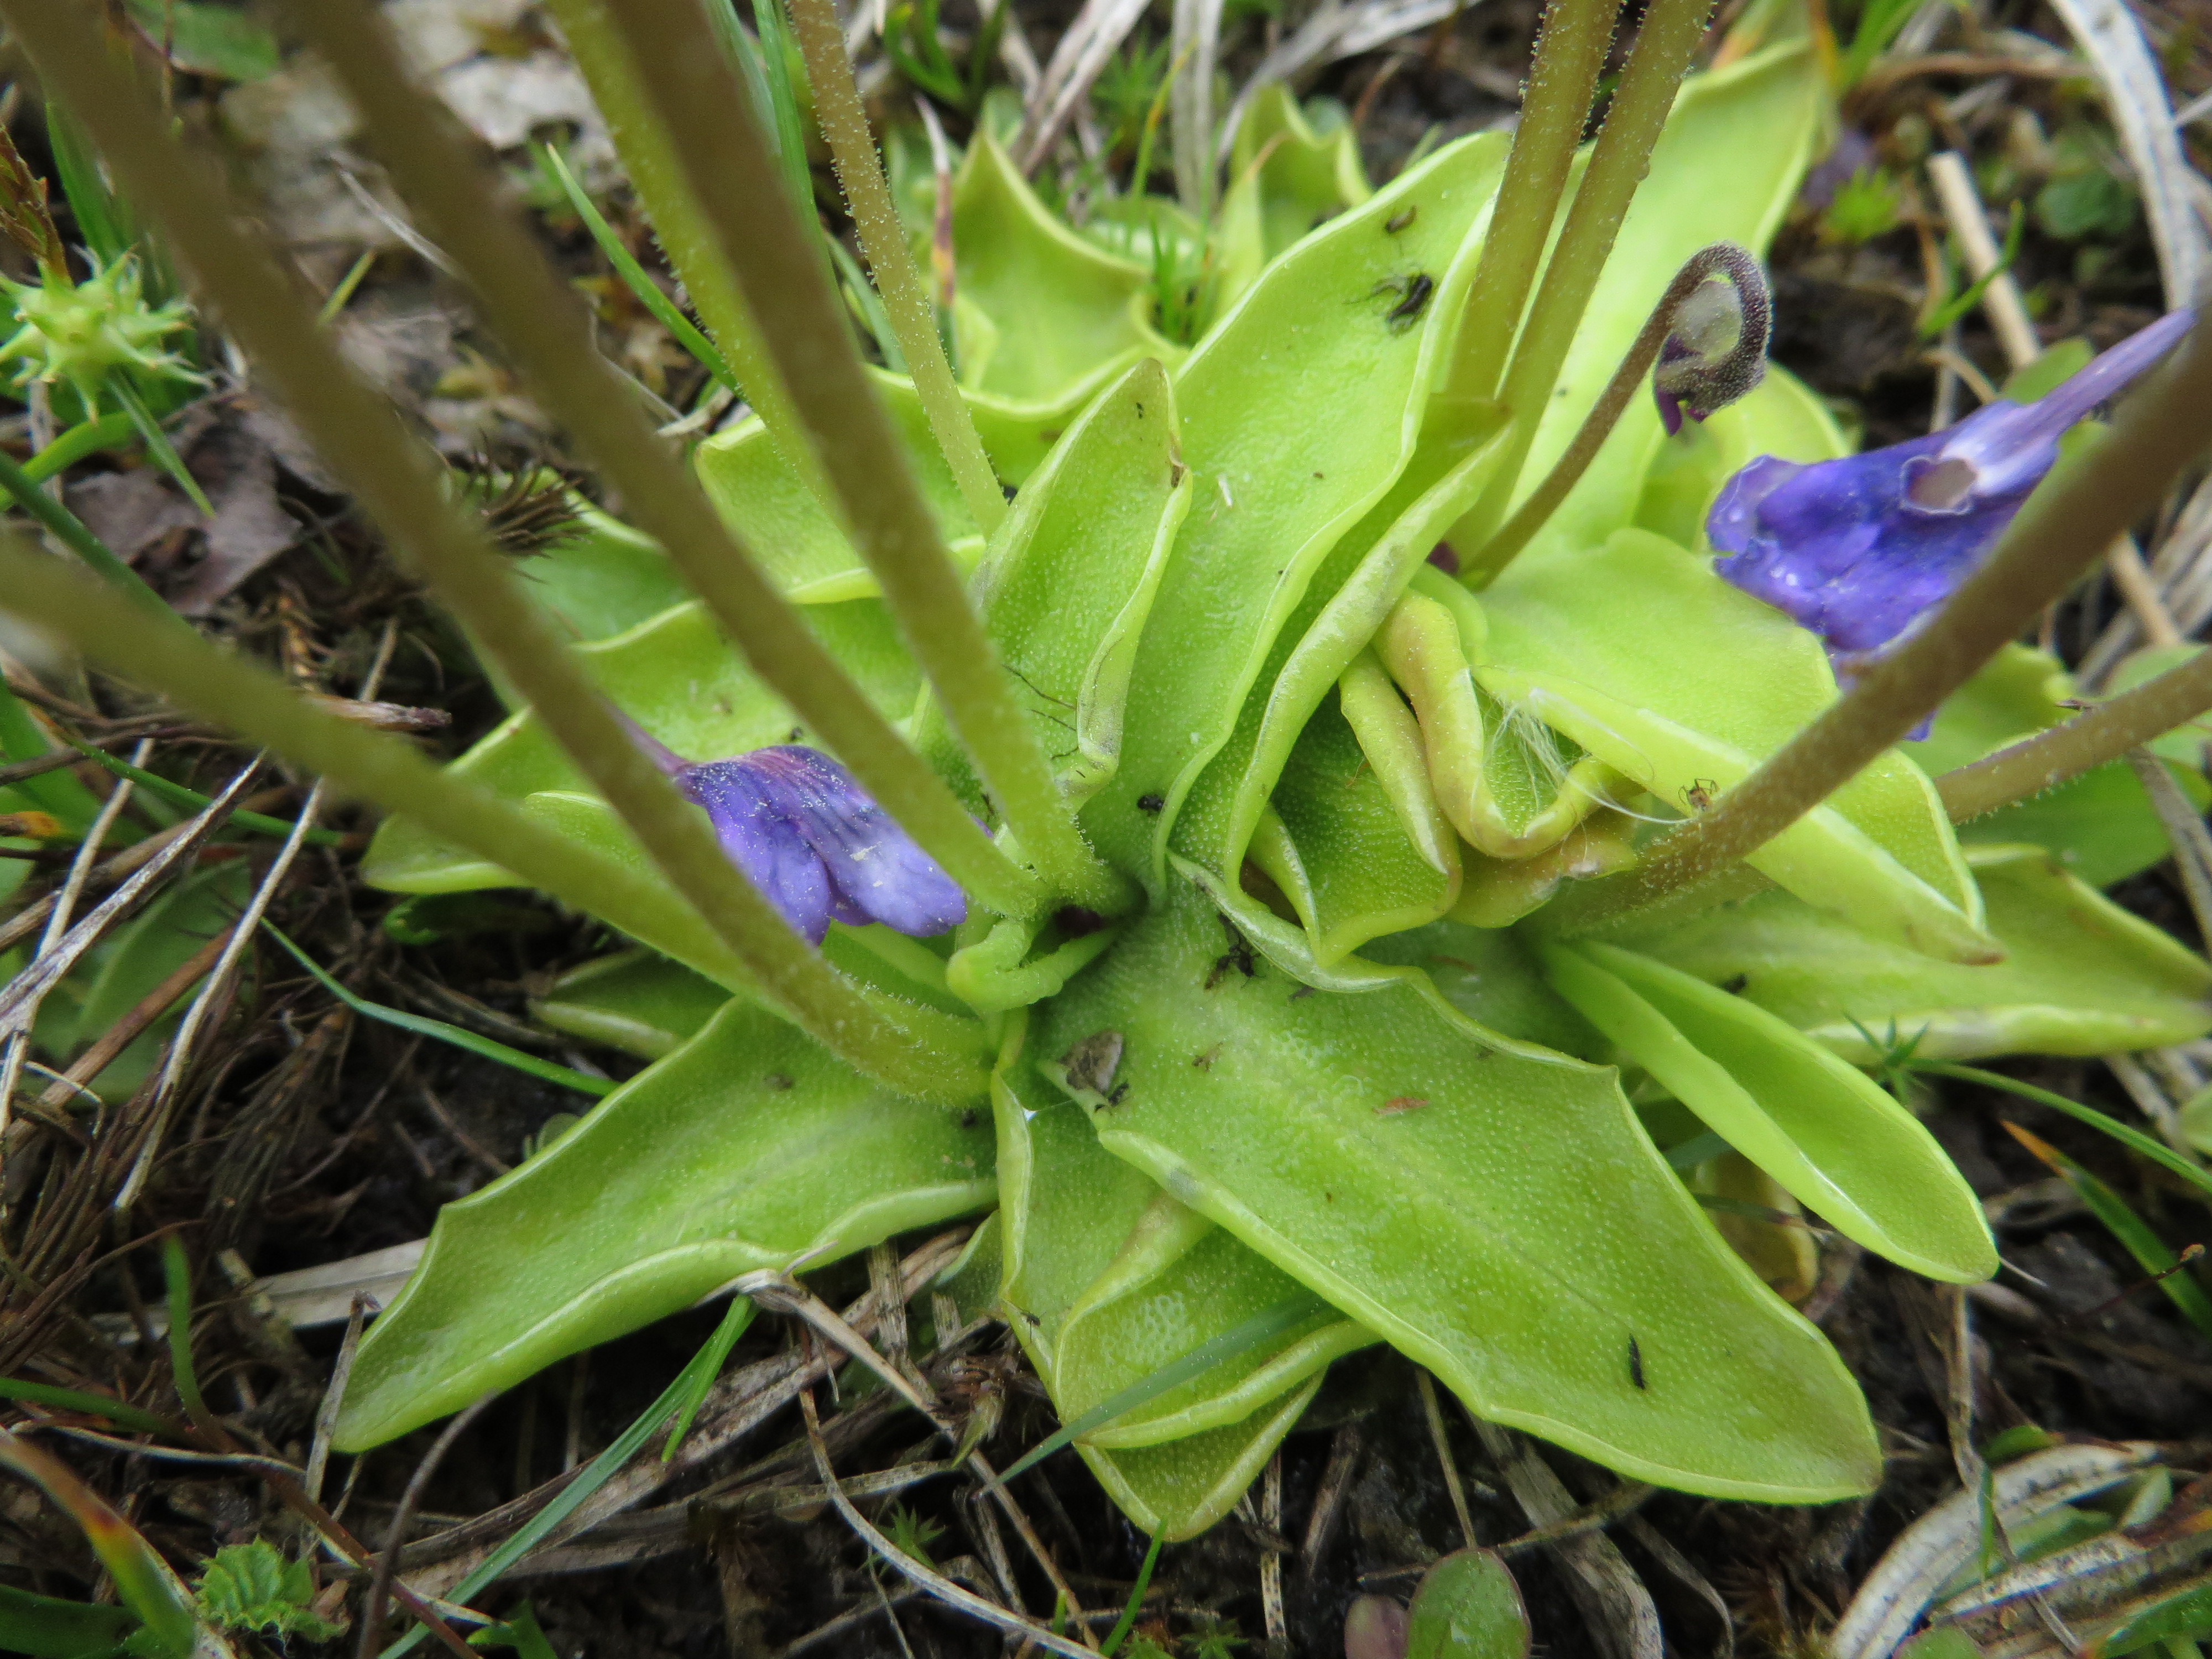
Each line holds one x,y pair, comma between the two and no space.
878,871
1858,549
817,846
762,841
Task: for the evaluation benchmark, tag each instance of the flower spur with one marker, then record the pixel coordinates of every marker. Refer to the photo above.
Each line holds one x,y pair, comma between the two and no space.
1857,549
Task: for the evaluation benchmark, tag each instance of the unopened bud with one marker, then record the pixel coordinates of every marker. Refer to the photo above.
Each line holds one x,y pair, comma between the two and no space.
1715,346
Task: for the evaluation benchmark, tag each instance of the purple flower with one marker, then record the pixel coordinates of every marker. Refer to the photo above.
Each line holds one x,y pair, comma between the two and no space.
1858,549
814,842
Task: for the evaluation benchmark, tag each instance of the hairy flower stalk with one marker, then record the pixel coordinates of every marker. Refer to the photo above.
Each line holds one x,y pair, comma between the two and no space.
350,425
1705,346
547,335
1858,549
761,238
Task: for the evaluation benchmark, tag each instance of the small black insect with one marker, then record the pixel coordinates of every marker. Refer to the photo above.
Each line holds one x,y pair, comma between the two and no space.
1154,803
1398,222
1635,1365
1420,288
970,1118
1120,1090
1699,794
1734,986
1238,956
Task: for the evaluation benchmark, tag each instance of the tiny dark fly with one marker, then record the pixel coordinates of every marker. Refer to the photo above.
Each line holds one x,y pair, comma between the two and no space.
1414,294
1238,958
1635,1365
1397,222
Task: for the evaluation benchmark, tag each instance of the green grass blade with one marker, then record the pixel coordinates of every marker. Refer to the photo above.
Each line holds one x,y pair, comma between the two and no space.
96,1405
2120,1219
776,51
1137,1592
101,217
143,1580
1698,1149
703,1371
1878,25
2133,1139
1952,310
1237,1339
869,304
422,1026
85,438
664,310
177,1281
157,441
192,800
690,1385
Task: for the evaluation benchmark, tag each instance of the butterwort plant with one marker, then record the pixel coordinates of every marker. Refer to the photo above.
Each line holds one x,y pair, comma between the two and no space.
1331,856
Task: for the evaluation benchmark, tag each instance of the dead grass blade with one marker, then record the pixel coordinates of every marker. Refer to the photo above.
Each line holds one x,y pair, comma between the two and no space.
379,1584
1082,55
914,1572
1891,1598
1619,1610
781,1293
19,999
2135,97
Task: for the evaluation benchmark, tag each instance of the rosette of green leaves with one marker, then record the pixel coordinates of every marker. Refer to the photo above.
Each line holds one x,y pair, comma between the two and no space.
1317,1069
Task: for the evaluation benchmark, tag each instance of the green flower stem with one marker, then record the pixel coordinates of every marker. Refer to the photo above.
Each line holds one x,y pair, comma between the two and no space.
85,438
1562,81
2088,741
352,426
547,336
2066,524
69,530
650,162
1656,64
390,772
891,260
787,287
